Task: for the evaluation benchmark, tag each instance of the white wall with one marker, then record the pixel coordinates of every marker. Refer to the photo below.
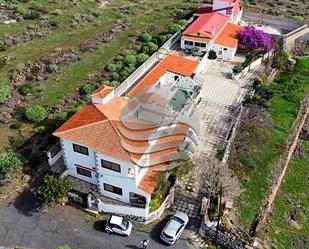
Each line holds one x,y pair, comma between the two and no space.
117,179
227,54
186,46
71,158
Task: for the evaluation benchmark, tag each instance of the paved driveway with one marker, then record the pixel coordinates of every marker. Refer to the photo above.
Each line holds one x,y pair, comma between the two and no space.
21,226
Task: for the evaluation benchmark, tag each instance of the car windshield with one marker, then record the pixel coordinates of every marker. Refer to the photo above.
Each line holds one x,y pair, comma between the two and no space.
178,220
124,224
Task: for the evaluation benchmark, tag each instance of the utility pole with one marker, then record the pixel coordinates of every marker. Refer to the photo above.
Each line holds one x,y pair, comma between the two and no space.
219,216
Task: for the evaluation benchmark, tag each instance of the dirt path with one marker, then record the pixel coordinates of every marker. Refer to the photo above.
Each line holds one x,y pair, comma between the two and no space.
292,144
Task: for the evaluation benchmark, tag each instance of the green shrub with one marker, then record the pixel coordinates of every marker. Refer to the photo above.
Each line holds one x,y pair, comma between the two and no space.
9,163
106,82
53,68
35,113
40,130
25,89
2,46
183,22
145,37
281,59
130,59
53,189
115,76
141,58
174,28
212,55
164,38
114,83
237,68
20,10
35,6
111,68
5,92
16,125
87,89
149,48
2,62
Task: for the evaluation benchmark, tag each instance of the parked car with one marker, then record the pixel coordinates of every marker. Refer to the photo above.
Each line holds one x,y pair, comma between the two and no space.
174,228
118,225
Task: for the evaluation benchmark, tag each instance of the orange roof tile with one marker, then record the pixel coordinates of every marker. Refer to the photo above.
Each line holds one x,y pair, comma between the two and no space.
173,63
102,91
85,116
229,36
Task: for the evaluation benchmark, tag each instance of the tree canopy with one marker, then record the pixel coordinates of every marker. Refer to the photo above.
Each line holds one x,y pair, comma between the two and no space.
253,38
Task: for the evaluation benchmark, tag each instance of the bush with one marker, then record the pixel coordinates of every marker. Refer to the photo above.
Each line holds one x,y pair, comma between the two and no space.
16,124
35,113
130,59
9,163
53,68
115,76
53,189
164,38
2,46
141,58
40,130
87,89
237,68
2,62
212,55
111,68
145,37
149,48
106,83
174,28
183,22
5,92
20,10
36,6
25,89
281,59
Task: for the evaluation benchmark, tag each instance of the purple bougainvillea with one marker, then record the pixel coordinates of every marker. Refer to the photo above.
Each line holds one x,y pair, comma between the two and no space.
253,38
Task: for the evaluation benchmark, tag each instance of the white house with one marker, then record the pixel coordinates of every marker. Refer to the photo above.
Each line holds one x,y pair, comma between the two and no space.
114,144
214,28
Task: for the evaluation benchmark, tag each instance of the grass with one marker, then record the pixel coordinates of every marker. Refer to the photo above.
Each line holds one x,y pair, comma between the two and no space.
294,193
255,156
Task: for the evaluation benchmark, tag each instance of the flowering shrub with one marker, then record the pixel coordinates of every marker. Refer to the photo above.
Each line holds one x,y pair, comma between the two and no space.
253,38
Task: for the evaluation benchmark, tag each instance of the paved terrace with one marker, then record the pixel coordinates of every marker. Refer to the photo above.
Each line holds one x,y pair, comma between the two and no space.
221,98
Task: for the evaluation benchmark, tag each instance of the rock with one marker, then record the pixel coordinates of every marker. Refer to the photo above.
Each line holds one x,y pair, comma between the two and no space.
295,225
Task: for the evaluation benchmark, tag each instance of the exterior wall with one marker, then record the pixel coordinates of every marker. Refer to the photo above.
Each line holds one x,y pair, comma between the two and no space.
227,54
217,4
71,158
118,179
186,46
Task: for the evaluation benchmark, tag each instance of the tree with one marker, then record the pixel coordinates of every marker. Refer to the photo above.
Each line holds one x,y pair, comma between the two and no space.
87,89
9,163
174,28
255,39
35,113
53,189
111,68
149,48
141,58
130,59
182,22
145,37
212,55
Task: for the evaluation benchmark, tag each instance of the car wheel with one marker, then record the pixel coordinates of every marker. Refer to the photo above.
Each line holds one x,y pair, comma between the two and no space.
108,231
125,235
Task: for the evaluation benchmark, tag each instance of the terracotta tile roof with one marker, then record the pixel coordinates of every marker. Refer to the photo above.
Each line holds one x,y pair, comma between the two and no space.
229,36
112,110
173,63
102,92
87,115
204,24
195,38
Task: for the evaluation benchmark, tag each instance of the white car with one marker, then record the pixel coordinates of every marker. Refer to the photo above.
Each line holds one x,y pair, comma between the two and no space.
174,228
118,225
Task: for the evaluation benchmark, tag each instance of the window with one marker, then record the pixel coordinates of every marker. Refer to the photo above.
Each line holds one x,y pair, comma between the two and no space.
228,12
109,165
189,43
203,45
83,172
225,49
80,149
198,44
112,189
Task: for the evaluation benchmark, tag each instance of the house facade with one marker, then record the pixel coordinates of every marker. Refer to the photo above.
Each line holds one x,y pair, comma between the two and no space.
214,27
119,144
